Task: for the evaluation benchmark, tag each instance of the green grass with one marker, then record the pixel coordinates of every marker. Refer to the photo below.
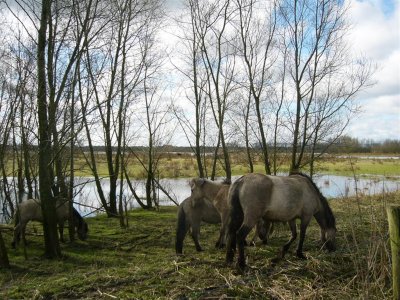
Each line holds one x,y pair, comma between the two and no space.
364,166
139,262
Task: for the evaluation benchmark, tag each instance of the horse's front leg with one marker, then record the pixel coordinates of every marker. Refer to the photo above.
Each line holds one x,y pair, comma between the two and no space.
23,229
303,228
221,240
61,231
285,248
196,234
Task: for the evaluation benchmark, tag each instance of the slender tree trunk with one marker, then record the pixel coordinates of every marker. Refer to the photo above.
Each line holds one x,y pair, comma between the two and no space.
52,246
246,134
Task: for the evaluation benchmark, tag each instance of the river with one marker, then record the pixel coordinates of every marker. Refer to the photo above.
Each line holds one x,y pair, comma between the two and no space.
331,186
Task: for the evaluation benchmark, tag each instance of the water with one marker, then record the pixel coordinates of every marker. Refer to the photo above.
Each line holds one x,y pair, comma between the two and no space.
331,186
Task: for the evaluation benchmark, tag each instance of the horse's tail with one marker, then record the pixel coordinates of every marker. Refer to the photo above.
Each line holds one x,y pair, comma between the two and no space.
180,229
235,219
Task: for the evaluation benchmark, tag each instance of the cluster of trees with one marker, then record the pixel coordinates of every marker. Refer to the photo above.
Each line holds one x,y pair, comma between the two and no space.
265,73
94,72
347,144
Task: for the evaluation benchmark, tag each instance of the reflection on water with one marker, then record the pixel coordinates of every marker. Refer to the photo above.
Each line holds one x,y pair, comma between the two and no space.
332,186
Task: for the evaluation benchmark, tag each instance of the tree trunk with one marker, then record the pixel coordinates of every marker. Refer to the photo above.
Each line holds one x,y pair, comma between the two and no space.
4,262
52,246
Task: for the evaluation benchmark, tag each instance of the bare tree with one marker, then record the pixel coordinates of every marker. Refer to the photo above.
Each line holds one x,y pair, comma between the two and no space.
218,56
256,48
192,47
317,53
115,72
52,246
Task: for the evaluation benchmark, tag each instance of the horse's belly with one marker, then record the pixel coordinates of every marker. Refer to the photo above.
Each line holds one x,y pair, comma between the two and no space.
282,210
213,218
280,216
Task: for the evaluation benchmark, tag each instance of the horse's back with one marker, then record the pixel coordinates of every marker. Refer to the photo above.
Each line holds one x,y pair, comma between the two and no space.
30,209
202,210
278,198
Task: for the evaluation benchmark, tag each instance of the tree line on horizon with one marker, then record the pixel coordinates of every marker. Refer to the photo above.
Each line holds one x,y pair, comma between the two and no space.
253,73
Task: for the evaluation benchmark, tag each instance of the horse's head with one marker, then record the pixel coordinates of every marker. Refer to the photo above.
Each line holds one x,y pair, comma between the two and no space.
330,235
196,187
82,230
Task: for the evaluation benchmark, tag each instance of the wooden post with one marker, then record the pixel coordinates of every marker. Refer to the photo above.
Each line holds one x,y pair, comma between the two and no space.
393,213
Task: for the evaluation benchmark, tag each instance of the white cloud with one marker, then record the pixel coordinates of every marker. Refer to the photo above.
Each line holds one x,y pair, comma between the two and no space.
376,35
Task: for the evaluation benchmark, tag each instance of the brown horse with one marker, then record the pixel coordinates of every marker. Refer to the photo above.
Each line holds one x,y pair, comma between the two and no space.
254,197
190,215
30,210
217,194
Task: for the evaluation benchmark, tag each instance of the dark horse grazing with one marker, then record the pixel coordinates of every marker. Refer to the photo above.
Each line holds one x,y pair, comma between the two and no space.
30,210
190,215
273,198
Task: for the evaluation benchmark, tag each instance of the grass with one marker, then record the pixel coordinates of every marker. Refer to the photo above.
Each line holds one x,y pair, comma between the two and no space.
364,166
139,262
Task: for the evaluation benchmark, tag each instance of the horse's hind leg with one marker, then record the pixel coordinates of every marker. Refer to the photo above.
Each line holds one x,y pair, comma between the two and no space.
292,226
233,225
241,242
180,236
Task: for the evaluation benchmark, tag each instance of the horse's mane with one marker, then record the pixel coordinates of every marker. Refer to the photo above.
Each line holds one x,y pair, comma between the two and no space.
77,216
330,218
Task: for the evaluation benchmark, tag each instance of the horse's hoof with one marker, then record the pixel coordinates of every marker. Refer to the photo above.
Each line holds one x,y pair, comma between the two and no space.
199,249
13,245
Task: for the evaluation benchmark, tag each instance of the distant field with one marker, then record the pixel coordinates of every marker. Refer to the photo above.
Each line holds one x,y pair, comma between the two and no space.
140,263
183,165
180,166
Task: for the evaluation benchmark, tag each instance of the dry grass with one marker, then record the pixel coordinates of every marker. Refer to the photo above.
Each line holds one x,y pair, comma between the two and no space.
139,262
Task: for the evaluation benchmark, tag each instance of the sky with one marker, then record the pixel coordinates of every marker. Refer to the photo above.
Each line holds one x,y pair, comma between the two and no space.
375,35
